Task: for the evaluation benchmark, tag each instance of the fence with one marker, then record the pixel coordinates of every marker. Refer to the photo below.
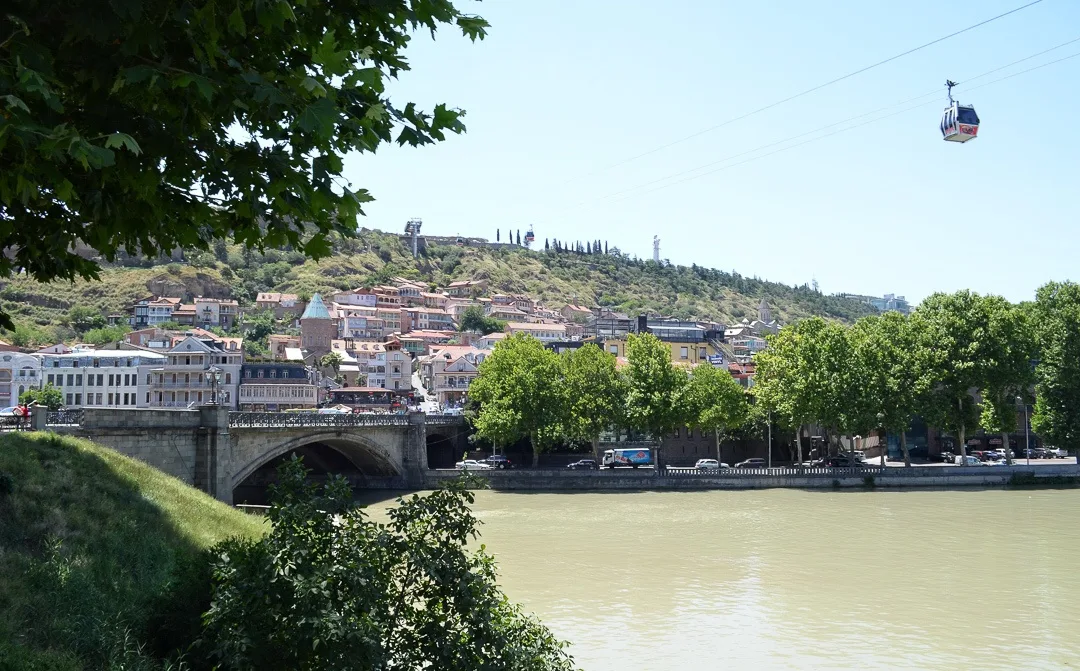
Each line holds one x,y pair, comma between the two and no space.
842,472
70,417
303,419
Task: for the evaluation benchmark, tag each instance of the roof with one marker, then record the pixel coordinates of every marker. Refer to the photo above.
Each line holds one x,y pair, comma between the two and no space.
367,389
577,308
316,309
525,326
498,335
294,354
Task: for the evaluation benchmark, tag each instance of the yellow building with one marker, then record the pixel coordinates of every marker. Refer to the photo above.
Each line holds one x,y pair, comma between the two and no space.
682,351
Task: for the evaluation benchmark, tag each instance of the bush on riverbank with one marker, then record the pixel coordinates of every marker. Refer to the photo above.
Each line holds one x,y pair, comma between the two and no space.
94,548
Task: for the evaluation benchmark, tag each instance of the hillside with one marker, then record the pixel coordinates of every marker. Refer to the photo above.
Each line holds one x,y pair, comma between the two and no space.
612,280
91,544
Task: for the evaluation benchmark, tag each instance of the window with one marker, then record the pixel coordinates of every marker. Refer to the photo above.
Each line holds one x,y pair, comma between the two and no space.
110,398
97,363
148,381
614,349
50,379
261,373
702,353
78,380
273,373
78,399
683,353
98,400
228,378
125,399
187,361
89,380
110,379
70,381
68,399
147,398
100,379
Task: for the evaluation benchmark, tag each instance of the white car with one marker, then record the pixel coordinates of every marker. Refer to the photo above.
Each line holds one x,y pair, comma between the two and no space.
709,465
971,460
1056,452
472,465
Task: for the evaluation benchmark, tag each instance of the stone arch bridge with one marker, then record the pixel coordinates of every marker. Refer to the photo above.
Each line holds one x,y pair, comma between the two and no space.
218,451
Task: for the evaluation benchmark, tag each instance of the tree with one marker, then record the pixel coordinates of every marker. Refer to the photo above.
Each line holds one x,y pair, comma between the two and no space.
328,588
954,348
588,248
715,402
83,318
496,235
518,391
105,335
1056,321
886,348
147,129
547,246
519,237
655,386
1006,371
48,396
332,360
473,319
595,394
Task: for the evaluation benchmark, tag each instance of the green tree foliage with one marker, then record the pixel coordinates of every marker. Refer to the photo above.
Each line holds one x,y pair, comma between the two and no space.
886,351
715,402
473,319
83,318
105,335
595,394
518,391
654,386
48,396
1056,322
1007,371
328,588
332,360
956,348
146,128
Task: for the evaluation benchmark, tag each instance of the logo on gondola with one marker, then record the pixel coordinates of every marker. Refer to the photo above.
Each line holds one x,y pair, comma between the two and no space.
968,130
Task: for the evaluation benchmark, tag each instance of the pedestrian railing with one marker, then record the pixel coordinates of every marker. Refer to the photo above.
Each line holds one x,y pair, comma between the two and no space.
71,417
444,420
838,472
262,420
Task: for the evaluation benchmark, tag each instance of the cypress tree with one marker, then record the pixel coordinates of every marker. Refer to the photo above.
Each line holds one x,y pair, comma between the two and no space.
496,235
588,248
546,247
519,237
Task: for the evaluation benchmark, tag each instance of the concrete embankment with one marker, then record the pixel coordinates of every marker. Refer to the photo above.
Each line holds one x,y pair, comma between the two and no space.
819,478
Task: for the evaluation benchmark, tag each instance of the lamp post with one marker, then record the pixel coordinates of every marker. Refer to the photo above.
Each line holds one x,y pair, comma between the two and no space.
213,376
883,438
1027,435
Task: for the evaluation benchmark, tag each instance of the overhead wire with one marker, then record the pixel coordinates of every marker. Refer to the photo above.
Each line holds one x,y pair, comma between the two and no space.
810,90
935,92
842,130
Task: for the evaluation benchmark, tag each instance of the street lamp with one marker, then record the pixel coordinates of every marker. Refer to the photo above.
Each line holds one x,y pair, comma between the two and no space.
1027,435
213,377
883,438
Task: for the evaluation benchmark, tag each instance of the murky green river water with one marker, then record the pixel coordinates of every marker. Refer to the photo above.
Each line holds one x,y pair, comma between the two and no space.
785,579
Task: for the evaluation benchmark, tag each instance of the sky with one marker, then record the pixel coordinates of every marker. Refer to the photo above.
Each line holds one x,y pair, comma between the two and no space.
577,114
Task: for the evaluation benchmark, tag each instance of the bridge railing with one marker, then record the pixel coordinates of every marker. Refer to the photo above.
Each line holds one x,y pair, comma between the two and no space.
775,471
69,417
444,420
258,420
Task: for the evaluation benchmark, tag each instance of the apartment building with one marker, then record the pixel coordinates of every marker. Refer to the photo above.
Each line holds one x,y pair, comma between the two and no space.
507,313
218,312
466,287
282,305
449,370
545,333
153,311
182,381
109,378
576,313
365,298
425,319
361,323
272,387
280,343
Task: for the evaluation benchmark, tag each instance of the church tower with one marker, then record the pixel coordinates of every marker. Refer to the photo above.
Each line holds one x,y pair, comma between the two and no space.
763,312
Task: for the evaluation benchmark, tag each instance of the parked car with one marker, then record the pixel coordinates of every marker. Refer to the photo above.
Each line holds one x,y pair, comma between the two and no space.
842,461
584,465
710,465
498,461
1056,453
947,457
753,462
1036,453
472,465
971,460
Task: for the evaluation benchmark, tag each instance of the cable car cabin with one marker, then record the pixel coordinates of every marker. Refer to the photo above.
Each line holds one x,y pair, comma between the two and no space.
959,123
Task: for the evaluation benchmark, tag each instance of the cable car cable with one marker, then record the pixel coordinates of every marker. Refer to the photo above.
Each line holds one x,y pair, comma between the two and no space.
809,90
842,130
935,92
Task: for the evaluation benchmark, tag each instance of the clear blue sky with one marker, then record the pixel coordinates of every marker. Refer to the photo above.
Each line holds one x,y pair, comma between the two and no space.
561,90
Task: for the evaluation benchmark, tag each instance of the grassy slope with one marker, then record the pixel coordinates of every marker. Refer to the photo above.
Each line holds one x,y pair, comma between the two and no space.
89,542
556,279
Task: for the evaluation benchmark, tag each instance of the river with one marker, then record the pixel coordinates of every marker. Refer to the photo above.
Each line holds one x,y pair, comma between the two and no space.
789,579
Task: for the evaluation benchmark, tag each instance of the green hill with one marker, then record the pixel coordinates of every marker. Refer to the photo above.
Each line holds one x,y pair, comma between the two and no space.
613,280
96,551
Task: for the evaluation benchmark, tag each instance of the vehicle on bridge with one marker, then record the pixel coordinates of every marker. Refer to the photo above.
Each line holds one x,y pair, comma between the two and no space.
360,399
633,457
583,465
472,465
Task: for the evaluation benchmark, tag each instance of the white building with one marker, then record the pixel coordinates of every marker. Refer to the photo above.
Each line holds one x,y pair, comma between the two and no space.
181,382
18,373
106,379
543,332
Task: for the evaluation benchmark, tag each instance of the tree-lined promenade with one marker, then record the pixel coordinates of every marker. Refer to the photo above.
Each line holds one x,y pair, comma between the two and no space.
961,361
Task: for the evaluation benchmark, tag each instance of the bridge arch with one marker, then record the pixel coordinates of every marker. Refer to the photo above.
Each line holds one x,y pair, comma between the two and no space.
366,455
